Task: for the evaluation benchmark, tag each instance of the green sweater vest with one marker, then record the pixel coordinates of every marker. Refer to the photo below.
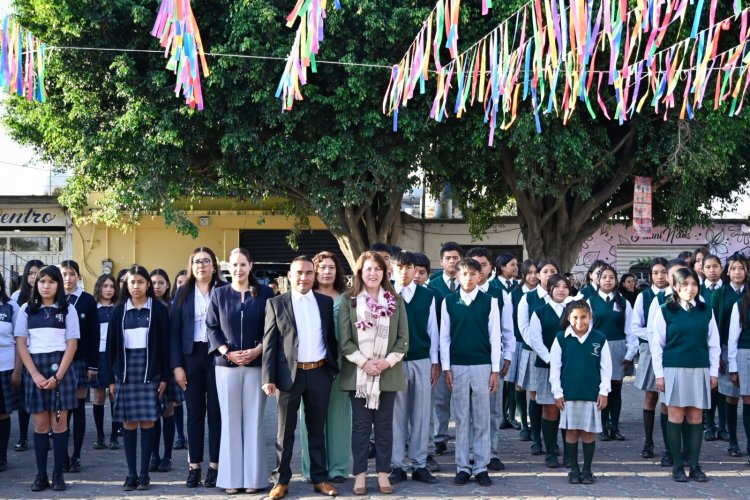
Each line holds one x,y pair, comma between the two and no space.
418,314
550,328
470,335
579,375
588,291
498,283
515,298
687,337
648,298
606,319
534,302
707,293
438,285
722,302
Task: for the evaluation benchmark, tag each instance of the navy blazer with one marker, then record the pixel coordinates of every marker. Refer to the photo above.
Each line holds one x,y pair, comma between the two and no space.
183,324
88,321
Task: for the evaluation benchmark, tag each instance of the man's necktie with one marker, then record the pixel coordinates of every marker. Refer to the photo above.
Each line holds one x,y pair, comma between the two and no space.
453,285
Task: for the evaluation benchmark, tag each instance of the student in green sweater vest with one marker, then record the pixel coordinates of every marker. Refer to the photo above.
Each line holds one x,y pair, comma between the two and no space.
592,279
722,301
470,354
696,261
739,356
544,326
685,355
580,371
710,266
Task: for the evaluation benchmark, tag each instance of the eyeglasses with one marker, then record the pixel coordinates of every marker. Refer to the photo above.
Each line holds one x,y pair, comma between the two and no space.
202,262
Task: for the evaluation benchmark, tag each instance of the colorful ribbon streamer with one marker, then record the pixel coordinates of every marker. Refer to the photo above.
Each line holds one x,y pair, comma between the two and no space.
178,33
22,62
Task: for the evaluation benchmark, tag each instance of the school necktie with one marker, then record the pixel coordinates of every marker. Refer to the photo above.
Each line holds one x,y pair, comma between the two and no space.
507,284
609,299
713,286
689,306
453,285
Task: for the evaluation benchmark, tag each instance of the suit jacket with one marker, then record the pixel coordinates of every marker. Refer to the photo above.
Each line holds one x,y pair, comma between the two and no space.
280,341
182,324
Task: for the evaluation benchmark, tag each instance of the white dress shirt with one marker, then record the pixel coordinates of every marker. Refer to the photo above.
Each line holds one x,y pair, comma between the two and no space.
631,340
523,314
716,284
311,347
668,291
447,280
493,326
639,323
407,293
506,323
536,339
659,339
605,365
200,306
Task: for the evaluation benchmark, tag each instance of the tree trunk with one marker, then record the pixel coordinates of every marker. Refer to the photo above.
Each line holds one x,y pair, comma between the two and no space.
552,240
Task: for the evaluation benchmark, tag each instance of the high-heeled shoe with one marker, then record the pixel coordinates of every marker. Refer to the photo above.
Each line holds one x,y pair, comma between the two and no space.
360,488
384,485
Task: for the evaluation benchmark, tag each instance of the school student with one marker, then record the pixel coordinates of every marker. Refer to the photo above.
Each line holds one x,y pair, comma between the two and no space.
711,268
528,371
695,261
612,315
739,356
592,279
470,355
644,375
86,361
506,272
529,282
421,269
543,329
411,413
580,371
106,291
685,355
723,301
138,368
10,370
49,329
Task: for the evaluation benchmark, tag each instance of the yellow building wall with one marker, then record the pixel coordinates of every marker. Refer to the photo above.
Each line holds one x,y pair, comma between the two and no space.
151,244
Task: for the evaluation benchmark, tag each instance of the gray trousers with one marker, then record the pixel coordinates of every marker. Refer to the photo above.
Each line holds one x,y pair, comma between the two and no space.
496,416
471,406
442,407
411,416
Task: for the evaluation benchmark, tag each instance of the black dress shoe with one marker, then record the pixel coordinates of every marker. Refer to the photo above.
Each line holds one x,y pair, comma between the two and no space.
194,478
574,477
496,464
397,475
58,482
423,476
697,474
75,465
21,445
483,478
211,475
604,436
536,449
165,465
709,435
505,425
678,474
461,478
180,444
551,462
41,483
337,479
647,451
616,435
524,435
153,465
515,424
144,483
734,451
99,443
723,435
432,464
440,447
667,460
587,477
114,444
131,483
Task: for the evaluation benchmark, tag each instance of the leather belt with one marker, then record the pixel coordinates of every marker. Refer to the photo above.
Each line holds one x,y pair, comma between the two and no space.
311,366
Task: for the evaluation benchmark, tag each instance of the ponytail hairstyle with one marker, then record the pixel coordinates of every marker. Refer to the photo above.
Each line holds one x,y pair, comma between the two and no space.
35,300
251,281
576,304
143,273
593,267
25,290
71,264
679,277
503,260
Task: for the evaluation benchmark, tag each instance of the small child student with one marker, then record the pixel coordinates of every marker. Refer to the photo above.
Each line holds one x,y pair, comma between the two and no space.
580,371
470,353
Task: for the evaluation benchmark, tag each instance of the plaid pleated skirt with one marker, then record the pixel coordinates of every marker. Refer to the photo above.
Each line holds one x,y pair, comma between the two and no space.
82,373
98,382
172,393
136,400
644,375
581,416
63,398
512,374
743,370
11,398
543,387
726,387
524,377
685,387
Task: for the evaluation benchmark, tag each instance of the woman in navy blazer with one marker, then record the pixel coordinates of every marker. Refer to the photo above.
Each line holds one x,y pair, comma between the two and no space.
193,365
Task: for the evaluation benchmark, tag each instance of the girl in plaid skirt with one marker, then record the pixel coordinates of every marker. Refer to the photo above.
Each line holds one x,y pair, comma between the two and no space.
10,371
49,329
105,293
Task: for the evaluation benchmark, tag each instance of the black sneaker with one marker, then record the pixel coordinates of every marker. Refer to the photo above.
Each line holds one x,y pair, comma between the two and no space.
131,483
432,464
697,474
666,459
536,449
678,474
461,478
211,475
440,447
144,483
153,465
21,445
41,483
496,464
483,478
423,476
165,465
194,478
75,465
114,443
551,462
397,475
616,435
99,443
574,477
587,477
58,483
647,451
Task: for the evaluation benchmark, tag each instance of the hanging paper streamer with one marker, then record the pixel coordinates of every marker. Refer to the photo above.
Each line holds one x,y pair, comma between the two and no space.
178,33
546,54
642,221
22,62
307,40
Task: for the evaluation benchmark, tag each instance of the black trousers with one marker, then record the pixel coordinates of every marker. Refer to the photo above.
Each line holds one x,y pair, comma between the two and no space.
201,400
363,421
314,388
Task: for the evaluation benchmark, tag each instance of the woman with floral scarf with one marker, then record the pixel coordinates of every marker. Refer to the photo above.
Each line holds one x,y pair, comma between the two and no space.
374,336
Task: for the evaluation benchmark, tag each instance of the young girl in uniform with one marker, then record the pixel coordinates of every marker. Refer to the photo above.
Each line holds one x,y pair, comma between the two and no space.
723,301
543,328
696,261
685,355
137,343
580,372
506,272
612,315
644,375
529,372
739,356
105,293
592,279
10,371
529,282
87,354
712,270
49,329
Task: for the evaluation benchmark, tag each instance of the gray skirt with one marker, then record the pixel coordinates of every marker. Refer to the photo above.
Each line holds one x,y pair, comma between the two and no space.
581,416
525,370
726,387
743,370
543,387
687,387
617,351
512,374
644,375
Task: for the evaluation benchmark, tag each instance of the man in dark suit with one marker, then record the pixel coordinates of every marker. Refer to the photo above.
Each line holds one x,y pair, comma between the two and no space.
299,363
